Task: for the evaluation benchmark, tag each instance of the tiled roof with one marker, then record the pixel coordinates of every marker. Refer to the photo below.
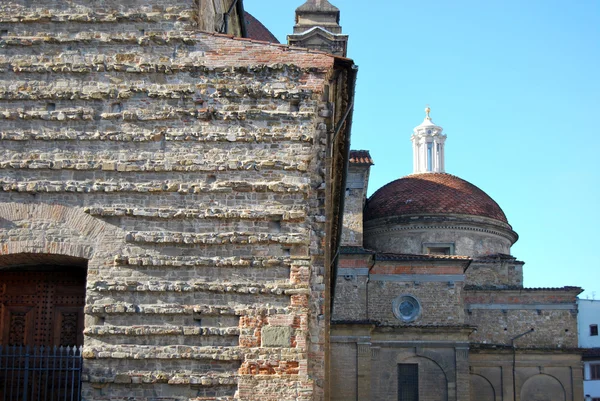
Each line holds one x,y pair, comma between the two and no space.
346,250
403,325
497,257
517,288
431,193
257,31
409,257
506,347
591,352
360,157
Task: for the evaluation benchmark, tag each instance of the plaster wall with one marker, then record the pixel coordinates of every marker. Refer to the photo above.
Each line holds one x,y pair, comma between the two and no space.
590,387
589,314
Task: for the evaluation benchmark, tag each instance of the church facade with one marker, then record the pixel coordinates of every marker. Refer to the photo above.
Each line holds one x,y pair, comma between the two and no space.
182,219
430,304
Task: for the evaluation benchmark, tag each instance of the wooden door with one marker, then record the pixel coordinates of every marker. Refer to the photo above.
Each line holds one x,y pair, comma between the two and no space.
42,307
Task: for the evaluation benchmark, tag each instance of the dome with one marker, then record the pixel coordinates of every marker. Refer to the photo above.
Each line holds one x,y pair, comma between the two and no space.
257,31
431,193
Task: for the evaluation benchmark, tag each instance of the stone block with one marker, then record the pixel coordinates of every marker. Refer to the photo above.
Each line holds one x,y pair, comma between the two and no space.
275,336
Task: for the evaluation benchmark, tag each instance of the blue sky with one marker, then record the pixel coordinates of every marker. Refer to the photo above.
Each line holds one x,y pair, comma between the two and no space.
516,87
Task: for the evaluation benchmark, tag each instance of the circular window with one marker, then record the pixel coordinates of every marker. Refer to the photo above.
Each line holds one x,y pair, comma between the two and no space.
406,308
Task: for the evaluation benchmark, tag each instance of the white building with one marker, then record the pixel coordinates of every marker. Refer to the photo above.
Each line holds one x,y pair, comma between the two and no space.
588,321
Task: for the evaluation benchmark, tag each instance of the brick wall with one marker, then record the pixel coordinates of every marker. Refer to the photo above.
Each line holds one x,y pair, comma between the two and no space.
187,168
502,315
441,303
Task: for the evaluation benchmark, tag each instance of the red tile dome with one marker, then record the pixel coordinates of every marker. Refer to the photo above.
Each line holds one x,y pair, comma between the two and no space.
431,193
257,31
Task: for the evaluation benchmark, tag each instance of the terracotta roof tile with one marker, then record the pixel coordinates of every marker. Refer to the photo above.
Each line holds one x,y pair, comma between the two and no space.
360,157
497,257
525,289
432,193
591,352
409,257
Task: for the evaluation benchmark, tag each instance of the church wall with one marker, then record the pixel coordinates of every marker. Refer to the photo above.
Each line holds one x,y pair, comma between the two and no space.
502,315
367,359
344,369
413,237
350,301
547,375
356,191
441,302
552,328
495,274
187,169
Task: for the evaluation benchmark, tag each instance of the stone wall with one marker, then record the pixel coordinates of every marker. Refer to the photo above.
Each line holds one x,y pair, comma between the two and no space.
495,272
350,302
356,192
469,235
437,287
498,375
500,315
190,170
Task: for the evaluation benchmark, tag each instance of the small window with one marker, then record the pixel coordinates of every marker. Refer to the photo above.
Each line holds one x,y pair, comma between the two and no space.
595,371
438,249
593,329
406,308
429,156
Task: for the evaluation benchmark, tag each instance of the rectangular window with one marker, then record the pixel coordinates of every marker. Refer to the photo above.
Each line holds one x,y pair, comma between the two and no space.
595,371
593,329
408,382
438,250
444,248
429,156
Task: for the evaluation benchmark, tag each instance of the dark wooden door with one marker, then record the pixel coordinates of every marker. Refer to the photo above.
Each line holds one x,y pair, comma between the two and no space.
42,308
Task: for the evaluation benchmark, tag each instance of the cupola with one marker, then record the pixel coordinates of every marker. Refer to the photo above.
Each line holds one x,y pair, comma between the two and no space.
428,146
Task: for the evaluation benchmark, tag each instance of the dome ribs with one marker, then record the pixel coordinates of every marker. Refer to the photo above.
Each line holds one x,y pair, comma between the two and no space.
432,193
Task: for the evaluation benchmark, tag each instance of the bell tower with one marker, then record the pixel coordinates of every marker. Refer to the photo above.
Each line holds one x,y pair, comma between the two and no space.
428,146
318,27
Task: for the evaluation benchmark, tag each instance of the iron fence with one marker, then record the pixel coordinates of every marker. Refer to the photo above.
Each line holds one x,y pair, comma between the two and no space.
40,373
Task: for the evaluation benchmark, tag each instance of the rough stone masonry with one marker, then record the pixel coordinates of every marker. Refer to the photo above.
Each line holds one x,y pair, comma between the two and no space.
193,173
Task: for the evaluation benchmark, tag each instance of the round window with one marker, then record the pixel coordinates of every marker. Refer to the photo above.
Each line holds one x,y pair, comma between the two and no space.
406,308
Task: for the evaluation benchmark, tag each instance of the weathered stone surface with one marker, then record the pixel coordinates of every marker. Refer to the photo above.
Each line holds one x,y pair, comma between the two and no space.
190,170
276,336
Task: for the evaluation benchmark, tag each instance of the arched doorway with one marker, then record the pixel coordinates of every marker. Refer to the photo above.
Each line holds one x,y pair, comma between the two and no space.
42,298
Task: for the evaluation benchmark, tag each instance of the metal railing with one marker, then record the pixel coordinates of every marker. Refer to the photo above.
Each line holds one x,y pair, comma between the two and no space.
40,373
